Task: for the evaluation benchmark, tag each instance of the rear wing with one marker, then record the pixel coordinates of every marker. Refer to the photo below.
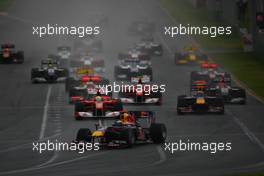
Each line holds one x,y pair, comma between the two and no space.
142,114
136,114
207,66
60,48
143,79
10,46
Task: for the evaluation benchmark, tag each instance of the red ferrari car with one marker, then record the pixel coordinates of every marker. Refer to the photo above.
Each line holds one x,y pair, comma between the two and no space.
98,107
141,94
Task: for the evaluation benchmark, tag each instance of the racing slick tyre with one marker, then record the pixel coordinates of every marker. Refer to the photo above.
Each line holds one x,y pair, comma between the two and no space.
159,96
119,106
34,73
79,107
117,71
158,48
20,57
69,83
179,112
129,137
159,103
219,102
79,93
66,73
222,112
149,73
238,92
180,103
84,134
158,133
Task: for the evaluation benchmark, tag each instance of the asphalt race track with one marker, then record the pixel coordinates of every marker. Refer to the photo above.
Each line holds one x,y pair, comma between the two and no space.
39,112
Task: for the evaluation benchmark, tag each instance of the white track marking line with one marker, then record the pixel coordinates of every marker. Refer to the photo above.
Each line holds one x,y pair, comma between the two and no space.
165,44
45,114
71,160
246,130
52,159
174,21
38,167
162,155
166,12
12,17
27,145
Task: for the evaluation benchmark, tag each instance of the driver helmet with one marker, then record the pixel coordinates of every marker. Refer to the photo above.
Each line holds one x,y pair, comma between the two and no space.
98,98
127,119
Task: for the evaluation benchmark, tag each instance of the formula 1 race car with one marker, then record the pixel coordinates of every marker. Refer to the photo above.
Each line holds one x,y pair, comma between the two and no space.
98,107
129,68
90,61
79,71
232,95
134,54
148,46
140,94
133,127
200,103
72,82
190,55
141,27
64,52
87,46
208,73
8,54
87,91
49,72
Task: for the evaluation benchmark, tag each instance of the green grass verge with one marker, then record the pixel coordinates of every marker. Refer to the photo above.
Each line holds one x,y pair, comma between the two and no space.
257,174
246,67
185,13
4,4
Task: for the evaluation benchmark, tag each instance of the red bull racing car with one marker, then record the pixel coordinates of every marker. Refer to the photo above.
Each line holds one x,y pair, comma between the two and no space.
200,103
132,128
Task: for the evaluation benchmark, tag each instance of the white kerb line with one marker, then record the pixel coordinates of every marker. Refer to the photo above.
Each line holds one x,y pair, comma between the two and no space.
45,114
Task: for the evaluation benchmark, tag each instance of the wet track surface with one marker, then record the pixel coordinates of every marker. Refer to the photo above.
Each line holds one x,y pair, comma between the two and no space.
22,105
